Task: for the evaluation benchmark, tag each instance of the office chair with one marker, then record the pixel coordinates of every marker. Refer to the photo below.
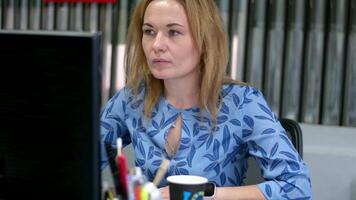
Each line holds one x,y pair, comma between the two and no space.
294,132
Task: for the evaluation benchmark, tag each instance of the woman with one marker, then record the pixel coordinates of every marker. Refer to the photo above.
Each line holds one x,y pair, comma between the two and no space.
178,104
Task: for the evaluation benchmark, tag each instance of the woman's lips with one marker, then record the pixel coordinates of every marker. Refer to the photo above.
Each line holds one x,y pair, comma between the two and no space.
160,61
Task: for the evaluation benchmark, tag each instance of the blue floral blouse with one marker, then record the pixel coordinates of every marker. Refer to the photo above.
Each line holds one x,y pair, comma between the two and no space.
245,127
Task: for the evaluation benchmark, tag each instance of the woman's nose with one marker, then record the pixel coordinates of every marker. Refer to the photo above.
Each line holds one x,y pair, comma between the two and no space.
159,44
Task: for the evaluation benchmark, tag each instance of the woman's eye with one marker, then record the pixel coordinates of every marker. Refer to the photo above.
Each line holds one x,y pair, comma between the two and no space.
148,32
173,32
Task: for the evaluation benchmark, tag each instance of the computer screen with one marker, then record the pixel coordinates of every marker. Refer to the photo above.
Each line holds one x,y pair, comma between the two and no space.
49,115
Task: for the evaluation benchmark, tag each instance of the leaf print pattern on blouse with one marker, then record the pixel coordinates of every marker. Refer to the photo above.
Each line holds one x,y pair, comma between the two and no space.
214,158
226,139
244,126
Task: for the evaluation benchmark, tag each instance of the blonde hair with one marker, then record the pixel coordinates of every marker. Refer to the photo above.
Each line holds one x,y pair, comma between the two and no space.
211,40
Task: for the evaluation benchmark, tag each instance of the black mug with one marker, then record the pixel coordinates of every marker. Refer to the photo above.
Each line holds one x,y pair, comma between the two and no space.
186,187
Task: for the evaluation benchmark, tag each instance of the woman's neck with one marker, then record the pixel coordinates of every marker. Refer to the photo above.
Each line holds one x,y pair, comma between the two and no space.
182,94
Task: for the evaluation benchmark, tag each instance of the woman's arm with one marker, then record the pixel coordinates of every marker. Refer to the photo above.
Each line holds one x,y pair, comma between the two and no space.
285,173
112,125
236,193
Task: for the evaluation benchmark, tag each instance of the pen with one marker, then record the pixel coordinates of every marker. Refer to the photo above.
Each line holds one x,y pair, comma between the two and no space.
122,167
114,170
144,194
137,182
151,192
107,192
161,171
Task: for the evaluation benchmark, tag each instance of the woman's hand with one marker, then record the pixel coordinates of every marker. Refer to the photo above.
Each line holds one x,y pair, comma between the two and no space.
164,192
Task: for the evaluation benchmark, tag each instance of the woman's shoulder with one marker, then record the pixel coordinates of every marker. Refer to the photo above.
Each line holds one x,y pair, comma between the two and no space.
241,90
127,95
241,96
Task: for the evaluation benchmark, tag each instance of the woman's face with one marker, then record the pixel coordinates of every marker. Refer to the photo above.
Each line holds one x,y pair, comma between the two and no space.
168,42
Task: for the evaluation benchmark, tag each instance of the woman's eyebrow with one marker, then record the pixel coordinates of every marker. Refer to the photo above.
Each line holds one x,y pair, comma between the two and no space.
147,24
168,25
174,24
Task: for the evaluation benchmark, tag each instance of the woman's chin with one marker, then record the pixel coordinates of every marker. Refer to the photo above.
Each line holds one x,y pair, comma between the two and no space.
162,76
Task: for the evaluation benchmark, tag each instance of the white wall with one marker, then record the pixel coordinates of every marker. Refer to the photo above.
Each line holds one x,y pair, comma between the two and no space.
330,152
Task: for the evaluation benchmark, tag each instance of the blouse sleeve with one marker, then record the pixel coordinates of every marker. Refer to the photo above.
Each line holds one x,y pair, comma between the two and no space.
285,173
113,125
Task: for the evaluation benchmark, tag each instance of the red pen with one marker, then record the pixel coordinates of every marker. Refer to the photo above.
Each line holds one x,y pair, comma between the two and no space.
122,167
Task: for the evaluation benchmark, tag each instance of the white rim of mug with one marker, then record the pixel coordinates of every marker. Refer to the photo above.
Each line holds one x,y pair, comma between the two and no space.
187,179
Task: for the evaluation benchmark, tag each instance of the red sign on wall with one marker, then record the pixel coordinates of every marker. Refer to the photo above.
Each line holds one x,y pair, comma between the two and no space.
80,1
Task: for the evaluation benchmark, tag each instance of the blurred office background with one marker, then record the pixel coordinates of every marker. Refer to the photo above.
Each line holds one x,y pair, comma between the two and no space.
300,53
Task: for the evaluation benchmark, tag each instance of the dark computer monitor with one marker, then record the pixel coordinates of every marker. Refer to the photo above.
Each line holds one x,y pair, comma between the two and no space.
49,115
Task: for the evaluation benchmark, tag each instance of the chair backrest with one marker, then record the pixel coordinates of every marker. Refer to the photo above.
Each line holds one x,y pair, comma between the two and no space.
294,132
